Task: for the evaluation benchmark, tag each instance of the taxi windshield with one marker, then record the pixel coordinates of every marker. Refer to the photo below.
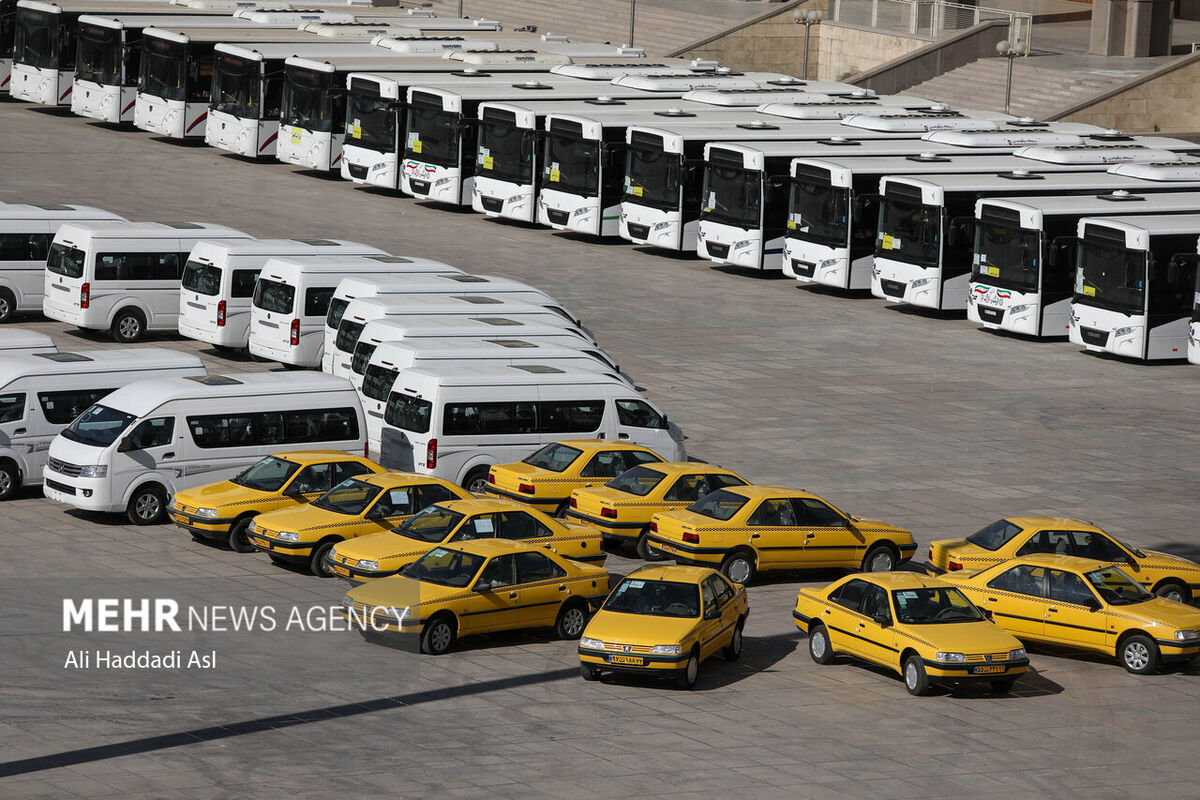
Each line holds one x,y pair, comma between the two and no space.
932,606
268,475
1117,588
554,457
655,598
636,481
720,505
445,567
351,496
431,525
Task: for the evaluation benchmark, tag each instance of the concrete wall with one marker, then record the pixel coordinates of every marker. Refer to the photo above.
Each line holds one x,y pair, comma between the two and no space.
933,58
847,50
1167,99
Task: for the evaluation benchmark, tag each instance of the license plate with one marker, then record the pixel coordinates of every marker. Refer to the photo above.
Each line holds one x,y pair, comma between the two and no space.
263,543
345,573
988,670
635,661
180,518
667,548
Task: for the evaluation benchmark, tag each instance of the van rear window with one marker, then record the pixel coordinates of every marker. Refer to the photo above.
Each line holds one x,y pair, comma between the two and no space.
408,413
66,261
274,296
202,279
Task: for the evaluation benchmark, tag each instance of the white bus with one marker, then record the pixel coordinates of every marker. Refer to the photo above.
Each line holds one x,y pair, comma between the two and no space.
313,118
108,60
1193,351
833,207
122,277
840,107
42,394
925,240
1135,281
389,359
1023,267
26,231
139,445
292,297
23,342
457,422
349,358
219,278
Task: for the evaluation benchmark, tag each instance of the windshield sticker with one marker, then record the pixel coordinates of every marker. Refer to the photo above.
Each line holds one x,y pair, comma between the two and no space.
356,129
488,162
1089,291
484,152
889,243
399,496
637,191
636,584
712,201
484,525
555,174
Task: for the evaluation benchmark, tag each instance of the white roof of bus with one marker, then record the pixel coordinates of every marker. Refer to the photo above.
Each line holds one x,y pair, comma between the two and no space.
1111,179
261,16
117,229
142,397
382,60
14,338
619,110
608,71
488,375
428,23
516,88
32,211
431,44
310,47
76,361
748,128
247,32
1098,205
1038,159
261,247
812,91
126,7
1154,224
675,82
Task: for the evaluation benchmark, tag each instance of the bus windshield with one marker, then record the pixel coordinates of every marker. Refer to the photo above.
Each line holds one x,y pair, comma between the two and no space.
236,87
652,177
909,231
378,381
432,135
572,163
35,38
369,122
818,211
99,55
1006,255
162,68
732,196
307,100
502,153
1110,275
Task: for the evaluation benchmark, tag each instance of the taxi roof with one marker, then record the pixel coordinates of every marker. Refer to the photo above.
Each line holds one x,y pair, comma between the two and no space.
901,579
494,547
481,506
1055,561
313,456
756,491
1035,521
685,467
603,444
389,480
672,572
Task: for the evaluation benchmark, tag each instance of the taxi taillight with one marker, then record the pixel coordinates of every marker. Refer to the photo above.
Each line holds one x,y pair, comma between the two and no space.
653,526
692,538
610,513
431,454
525,488
953,565
491,477
221,314
573,503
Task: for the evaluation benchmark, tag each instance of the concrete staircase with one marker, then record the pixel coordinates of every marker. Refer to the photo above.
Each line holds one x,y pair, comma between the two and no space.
1037,91
660,27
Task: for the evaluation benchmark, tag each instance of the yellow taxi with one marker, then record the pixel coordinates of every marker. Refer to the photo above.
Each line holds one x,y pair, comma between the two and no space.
747,529
621,509
223,510
920,627
1084,604
383,554
479,586
1166,575
546,479
355,507
665,620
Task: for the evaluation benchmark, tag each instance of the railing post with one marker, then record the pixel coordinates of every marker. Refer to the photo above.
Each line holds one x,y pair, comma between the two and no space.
874,13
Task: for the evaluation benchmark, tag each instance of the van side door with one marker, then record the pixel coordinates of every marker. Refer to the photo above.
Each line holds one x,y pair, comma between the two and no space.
638,421
149,447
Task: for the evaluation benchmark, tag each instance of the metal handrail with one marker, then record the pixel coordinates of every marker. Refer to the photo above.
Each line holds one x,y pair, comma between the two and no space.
932,18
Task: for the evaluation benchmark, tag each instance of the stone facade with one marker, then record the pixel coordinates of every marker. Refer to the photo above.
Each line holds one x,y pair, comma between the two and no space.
1166,101
847,50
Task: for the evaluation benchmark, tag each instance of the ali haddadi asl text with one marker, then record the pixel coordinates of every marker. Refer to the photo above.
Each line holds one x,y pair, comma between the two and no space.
140,659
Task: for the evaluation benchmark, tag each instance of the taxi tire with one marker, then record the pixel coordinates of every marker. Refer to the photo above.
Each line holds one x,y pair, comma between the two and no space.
237,541
128,326
588,672
316,559
10,479
876,553
561,511
572,619
733,564
643,549
438,635
733,650
477,478
915,679
148,505
1171,590
1138,654
686,678
819,645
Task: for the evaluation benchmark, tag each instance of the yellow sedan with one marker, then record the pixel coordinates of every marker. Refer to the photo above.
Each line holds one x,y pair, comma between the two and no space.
1168,576
479,586
665,620
546,479
355,507
1086,605
747,529
912,624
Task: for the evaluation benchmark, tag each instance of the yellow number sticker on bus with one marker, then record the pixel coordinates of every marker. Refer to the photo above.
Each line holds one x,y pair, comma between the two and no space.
295,136
1089,291
992,272
637,191
555,175
888,241
356,131
488,162
416,145
791,224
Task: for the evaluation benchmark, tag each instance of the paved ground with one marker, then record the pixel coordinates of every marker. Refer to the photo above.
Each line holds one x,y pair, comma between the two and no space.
921,420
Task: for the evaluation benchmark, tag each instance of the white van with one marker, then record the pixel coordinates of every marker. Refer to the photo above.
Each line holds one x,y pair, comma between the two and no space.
293,332
122,277
457,422
183,432
385,361
25,234
22,342
41,394
218,283
362,311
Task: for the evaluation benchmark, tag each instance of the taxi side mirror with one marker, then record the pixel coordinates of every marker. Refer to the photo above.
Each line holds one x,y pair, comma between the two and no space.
1092,605
884,620
712,613
987,615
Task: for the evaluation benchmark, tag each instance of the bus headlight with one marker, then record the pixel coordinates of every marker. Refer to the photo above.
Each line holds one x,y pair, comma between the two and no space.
742,243
442,182
579,212
919,282
1021,309
1119,332
661,226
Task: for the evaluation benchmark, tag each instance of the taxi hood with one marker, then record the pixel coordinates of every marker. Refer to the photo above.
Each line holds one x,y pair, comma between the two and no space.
646,629
219,494
399,592
300,518
1159,611
386,544
966,637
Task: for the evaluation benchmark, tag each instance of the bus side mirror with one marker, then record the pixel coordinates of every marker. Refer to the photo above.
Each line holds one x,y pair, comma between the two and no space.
776,181
866,205
1181,267
465,126
394,107
1062,249
961,232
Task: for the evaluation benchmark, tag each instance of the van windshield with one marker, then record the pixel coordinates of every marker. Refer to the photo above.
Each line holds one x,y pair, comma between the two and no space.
337,307
378,381
99,426
66,261
408,413
274,296
348,335
202,278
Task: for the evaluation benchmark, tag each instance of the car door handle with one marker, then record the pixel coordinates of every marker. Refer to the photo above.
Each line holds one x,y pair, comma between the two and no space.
168,455
809,535
755,535
622,435
991,600
18,430
826,611
1051,610
512,595
562,588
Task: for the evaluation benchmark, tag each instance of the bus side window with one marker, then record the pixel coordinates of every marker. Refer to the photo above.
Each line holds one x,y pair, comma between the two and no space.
1171,288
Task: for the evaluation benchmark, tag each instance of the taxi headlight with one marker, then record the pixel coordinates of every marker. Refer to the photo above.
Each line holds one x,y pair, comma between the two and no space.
347,600
253,526
372,565
959,657
93,471
1014,655
591,644
1187,636
288,536
667,649
206,512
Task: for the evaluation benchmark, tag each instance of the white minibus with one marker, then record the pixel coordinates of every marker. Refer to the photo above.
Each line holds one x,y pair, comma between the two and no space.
457,422
394,307
292,297
41,394
219,277
145,441
21,342
26,231
122,277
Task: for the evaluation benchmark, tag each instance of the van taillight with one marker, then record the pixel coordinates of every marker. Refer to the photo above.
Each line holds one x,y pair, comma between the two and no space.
431,454
692,538
295,332
366,449
85,295
221,314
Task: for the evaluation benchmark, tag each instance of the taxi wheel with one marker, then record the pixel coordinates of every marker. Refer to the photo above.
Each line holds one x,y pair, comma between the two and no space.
238,541
316,561
819,646
438,635
915,679
738,567
572,618
588,672
644,551
147,505
733,650
10,479
879,558
1169,590
686,678
1139,654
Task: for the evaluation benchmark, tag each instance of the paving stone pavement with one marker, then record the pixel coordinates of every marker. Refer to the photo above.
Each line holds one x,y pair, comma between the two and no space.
917,419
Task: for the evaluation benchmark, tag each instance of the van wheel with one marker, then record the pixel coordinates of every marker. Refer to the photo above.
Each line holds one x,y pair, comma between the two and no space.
129,326
476,481
238,541
147,506
8,305
10,479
